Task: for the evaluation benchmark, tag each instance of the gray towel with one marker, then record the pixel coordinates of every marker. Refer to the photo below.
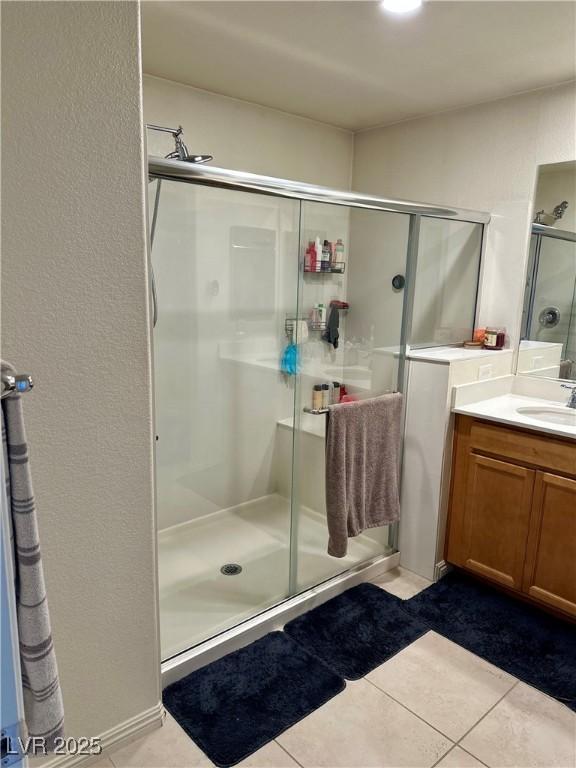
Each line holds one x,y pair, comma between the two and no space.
43,707
362,466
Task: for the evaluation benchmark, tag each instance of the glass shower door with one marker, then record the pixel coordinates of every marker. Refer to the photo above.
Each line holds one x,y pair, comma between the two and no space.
226,269
367,361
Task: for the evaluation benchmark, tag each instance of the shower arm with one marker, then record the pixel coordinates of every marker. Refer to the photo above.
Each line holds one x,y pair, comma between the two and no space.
173,131
181,151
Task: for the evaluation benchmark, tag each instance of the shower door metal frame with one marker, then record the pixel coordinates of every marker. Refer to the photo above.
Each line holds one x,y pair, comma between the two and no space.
539,232
178,170
277,615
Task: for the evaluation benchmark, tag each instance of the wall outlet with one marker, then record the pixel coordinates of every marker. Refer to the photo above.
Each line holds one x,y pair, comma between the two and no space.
485,371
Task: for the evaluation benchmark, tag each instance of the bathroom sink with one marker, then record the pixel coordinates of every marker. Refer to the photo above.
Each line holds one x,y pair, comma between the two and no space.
550,414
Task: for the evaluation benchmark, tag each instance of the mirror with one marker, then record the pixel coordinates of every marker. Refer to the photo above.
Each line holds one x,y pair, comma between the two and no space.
548,337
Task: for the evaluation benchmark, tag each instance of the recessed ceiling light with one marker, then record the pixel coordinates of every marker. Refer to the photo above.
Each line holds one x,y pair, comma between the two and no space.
401,6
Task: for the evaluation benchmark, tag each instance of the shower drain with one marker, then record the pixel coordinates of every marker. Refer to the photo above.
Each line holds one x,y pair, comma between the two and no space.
231,569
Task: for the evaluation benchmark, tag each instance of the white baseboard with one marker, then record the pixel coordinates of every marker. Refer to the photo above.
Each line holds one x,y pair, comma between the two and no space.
441,569
115,737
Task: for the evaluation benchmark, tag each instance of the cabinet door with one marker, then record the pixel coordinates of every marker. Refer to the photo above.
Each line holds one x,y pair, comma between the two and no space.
550,571
496,519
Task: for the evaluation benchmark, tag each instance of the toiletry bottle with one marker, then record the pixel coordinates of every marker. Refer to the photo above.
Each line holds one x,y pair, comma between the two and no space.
317,397
325,395
312,251
318,248
322,314
326,254
308,260
339,253
335,392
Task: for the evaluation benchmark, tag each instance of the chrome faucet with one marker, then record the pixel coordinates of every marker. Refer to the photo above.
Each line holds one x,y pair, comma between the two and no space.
572,399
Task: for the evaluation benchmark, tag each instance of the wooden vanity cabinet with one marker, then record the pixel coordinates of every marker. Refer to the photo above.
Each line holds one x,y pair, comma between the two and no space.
512,515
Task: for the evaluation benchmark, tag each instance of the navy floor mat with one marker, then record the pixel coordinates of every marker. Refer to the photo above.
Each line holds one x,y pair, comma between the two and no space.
235,705
521,639
356,631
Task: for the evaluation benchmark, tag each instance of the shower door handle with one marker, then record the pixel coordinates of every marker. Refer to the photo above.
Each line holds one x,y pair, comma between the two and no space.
152,277
154,296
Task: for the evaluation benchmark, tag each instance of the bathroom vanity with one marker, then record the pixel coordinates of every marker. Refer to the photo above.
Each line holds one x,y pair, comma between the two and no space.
512,500
512,513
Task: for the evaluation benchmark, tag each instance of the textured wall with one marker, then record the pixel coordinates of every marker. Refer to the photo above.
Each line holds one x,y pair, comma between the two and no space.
483,157
75,315
248,137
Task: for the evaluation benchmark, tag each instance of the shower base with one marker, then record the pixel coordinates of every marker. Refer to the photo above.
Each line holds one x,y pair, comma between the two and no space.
198,601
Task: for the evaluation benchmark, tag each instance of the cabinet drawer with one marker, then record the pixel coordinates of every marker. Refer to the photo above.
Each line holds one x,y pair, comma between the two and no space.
524,447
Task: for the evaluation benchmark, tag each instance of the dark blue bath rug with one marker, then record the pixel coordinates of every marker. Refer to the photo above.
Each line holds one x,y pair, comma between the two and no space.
356,631
240,702
521,639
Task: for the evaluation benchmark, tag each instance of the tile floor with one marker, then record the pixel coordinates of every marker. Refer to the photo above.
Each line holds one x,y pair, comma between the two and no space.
433,704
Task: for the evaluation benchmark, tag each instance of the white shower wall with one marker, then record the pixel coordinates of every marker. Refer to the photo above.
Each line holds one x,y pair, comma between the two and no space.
226,274
226,266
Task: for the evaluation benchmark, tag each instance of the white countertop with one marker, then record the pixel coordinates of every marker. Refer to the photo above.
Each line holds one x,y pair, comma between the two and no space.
450,354
503,409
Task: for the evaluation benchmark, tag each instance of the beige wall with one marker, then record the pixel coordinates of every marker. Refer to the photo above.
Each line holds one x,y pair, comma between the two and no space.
75,315
483,157
248,137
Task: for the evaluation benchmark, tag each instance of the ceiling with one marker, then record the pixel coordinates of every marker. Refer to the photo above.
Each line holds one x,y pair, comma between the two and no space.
352,65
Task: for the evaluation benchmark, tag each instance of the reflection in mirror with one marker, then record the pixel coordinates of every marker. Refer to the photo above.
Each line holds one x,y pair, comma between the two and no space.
548,345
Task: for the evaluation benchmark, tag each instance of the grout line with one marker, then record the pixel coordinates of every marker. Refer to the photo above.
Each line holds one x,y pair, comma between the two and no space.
411,711
485,715
452,748
290,755
471,755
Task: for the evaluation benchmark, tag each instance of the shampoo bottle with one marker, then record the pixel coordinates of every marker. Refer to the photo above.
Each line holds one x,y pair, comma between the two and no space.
339,251
318,247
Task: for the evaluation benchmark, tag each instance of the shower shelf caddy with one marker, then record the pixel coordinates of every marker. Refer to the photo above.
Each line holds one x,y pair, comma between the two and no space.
312,326
336,268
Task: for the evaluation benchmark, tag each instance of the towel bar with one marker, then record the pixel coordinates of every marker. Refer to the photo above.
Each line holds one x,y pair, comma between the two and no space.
320,411
21,382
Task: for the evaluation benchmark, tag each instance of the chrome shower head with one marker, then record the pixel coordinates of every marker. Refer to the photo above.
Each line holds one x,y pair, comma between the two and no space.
181,150
197,159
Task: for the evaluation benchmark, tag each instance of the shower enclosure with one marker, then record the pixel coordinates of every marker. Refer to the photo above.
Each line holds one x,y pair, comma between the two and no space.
239,454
